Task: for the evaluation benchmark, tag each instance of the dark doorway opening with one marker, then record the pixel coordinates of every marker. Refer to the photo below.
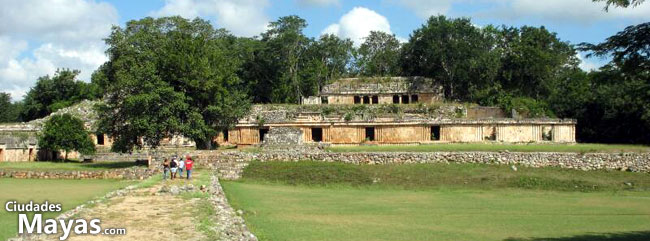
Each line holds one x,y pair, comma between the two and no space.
405,99
317,134
435,133
324,100
366,100
395,99
2,155
370,133
414,98
263,133
375,99
225,136
100,139
357,100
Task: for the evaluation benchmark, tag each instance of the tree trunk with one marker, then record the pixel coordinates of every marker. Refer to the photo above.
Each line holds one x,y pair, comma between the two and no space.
204,144
66,156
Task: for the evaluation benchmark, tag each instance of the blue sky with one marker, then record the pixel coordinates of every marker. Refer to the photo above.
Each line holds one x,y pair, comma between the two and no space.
39,36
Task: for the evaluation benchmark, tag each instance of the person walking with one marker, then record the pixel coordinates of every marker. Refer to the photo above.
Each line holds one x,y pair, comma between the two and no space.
165,168
174,166
181,167
189,163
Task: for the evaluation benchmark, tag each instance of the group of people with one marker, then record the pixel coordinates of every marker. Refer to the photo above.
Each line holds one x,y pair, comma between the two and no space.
177,165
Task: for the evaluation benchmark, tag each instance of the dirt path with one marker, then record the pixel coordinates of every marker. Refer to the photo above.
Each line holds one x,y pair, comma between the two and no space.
146,215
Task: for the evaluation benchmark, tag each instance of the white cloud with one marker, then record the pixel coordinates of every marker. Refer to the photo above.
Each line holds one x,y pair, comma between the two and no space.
357,25
588,64
318,3
241,17
37,37
426,8
576,11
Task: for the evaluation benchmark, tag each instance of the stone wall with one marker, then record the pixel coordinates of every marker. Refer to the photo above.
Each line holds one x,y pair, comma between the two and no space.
124,173
230,164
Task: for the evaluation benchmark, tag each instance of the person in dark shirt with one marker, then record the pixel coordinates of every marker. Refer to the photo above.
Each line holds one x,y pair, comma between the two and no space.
173,166
165,168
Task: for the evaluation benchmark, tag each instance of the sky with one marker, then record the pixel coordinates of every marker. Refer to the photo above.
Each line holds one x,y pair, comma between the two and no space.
39,36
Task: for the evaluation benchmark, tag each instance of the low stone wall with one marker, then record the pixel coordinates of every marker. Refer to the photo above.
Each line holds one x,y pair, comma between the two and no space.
125,173
230,164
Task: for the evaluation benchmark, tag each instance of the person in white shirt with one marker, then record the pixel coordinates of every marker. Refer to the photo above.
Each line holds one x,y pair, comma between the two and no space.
181,166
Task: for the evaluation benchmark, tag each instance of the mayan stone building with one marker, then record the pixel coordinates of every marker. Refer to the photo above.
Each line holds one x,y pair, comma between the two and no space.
395,110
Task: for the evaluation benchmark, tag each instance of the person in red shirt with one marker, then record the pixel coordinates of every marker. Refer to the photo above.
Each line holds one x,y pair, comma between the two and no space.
188,166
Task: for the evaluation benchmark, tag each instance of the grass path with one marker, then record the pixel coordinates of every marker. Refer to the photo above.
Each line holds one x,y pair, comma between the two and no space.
285,212
147,216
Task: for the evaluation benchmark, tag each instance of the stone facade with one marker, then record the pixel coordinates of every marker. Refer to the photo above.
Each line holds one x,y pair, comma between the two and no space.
230,164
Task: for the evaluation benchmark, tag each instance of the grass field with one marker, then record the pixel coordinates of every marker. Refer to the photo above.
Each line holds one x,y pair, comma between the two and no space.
70,193
451,147
70,165
333,201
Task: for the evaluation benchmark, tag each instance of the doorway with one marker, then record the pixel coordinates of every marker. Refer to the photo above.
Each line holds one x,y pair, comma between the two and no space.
317,134
370,133
100,139
263,133
2,155
435,133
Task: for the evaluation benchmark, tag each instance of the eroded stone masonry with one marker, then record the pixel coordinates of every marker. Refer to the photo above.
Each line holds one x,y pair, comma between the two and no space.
397,110
230,164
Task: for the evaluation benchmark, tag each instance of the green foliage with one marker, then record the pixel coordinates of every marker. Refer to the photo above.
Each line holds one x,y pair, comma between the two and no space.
53,93
621,3
66,132
379,55
453,52
169,76
527,107
9,112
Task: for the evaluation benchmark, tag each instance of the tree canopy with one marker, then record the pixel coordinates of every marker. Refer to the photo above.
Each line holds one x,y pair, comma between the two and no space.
56,92
169,76
379,55
9,112
66,132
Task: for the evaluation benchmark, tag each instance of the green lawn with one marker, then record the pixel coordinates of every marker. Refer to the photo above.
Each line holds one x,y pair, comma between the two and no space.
70,165
336,201
451,147
285,212
70,193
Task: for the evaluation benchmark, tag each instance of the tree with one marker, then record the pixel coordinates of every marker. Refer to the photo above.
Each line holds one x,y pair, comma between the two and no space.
170,76
53,93
379,55
454,53
621,3
327,59
284,58
68,133
8,111
629,49
531,60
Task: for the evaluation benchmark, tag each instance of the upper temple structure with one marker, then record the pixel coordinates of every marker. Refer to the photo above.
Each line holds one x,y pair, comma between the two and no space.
393,110
387,110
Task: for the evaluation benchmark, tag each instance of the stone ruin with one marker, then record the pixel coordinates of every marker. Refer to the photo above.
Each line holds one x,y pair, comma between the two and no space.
287,139
283,136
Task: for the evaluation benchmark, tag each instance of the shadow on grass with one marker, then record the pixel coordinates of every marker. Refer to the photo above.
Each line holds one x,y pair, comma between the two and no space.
626,236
